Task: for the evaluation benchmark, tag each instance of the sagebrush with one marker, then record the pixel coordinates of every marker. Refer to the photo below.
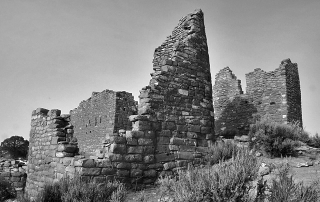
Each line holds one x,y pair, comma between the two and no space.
226,181
77,190
276,139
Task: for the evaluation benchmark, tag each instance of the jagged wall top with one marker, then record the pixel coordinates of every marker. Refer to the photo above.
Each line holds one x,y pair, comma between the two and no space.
187,38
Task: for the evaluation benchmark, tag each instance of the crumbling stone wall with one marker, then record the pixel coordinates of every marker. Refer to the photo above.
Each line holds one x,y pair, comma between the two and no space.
51,139
232,109
14,172
174,124
173,127
102,114
274,94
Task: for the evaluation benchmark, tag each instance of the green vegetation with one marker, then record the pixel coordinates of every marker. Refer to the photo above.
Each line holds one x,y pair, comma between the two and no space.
15,146
226,181
283,188
7,191
221,151
236,180
77,190
276,139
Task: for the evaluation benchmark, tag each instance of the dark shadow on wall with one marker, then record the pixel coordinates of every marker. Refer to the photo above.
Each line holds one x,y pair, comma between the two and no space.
236,117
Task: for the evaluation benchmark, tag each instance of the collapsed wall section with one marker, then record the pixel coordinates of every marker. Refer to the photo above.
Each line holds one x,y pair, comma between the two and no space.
104,113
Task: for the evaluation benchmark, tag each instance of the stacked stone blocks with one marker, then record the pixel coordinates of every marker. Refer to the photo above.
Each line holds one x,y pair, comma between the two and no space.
274,95
14,172
102,114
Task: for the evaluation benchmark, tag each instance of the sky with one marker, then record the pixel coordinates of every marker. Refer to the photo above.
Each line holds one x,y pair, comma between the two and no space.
53,54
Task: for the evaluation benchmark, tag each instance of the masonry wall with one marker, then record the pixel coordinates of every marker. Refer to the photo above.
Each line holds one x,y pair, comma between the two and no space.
293,92
175,112
51,139
275,95
101,115
233,110
173,127
14,172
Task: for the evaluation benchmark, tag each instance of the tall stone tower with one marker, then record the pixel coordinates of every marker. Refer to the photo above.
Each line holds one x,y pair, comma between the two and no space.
275,95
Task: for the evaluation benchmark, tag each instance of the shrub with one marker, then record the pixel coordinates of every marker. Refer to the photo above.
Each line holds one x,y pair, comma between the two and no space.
7,191
221,151
283,188
227,181
76,190
315,141
274,138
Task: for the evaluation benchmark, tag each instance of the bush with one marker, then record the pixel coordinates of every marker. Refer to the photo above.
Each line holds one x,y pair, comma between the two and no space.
228,181
221,151
283,188
276,139
7,191
315,141
76,190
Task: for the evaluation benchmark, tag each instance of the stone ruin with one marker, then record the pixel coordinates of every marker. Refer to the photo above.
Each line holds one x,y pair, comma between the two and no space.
170,129
275,95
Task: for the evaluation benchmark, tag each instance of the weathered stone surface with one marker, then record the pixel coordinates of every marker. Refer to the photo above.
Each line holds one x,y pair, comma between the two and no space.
275,94
103,113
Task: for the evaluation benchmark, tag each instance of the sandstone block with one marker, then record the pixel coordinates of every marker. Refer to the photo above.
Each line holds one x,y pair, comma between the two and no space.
163,140
124,165
136,173
141,125
183,92
64,154
150,173
108,171
99,179
117,139
194,128
90,171
169,165
123,173
14,179
69,148
103,163
132,141
145,141
118,148
164,157
184,155
205,130
165,133
163,149
134,134
133,158
135,150
115,157
149,159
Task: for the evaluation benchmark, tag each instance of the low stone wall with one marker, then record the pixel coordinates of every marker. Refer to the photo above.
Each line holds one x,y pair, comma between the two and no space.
15,172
